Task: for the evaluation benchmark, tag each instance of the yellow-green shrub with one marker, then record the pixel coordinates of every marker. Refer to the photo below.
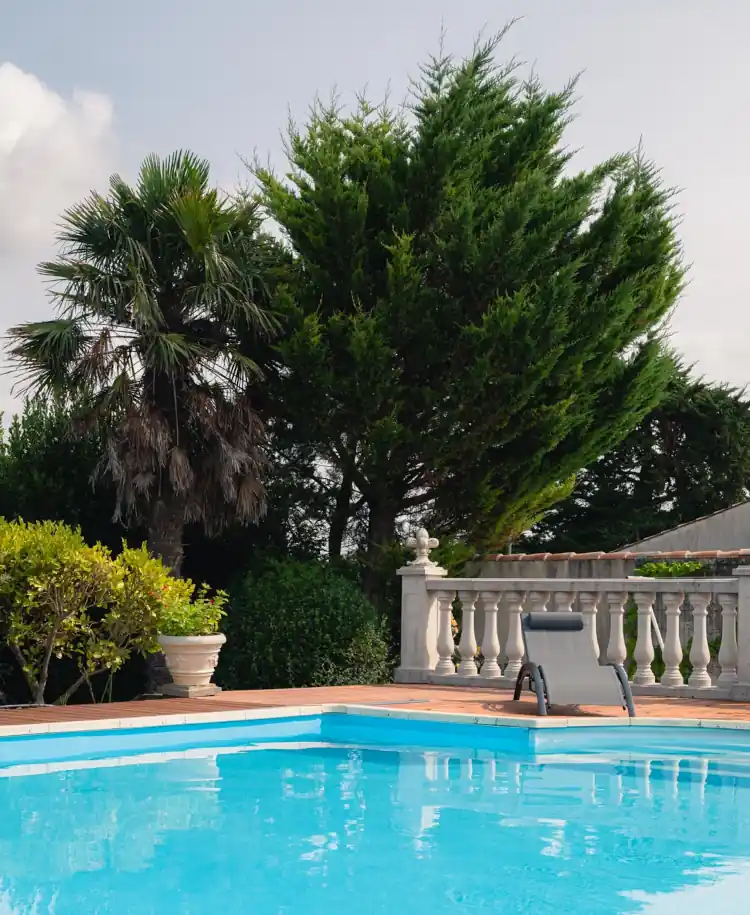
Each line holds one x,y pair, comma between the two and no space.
61,598
181,608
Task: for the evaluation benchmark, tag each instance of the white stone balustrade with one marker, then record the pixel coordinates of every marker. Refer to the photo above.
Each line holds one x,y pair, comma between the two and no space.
490,648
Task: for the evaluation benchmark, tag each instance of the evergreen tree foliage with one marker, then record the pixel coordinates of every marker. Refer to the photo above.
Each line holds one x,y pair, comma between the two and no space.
689,457
47,473
469,320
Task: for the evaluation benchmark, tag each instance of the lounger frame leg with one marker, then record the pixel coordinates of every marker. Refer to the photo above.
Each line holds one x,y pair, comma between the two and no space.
535,675
627,693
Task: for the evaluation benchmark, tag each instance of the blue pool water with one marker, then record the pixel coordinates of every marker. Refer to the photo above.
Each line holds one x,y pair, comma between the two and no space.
390,817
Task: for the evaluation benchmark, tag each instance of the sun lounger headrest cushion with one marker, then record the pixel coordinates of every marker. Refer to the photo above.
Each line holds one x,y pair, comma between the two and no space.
554,621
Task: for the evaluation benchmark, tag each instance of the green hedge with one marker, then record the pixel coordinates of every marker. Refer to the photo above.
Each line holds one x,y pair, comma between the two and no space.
296,624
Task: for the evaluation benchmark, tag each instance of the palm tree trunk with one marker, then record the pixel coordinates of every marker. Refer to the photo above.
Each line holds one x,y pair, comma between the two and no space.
165,532
165,540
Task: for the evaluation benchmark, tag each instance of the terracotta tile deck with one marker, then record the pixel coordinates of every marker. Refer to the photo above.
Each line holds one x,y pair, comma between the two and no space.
458,700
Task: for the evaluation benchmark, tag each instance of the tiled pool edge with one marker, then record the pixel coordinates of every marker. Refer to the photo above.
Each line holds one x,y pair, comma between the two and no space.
524,721
278,712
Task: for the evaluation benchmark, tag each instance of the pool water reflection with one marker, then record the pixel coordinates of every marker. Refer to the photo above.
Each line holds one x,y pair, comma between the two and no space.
326,829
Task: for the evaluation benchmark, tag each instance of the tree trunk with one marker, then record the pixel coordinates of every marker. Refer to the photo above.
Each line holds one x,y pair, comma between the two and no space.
340,517
380,535
31,682
165,540
165,532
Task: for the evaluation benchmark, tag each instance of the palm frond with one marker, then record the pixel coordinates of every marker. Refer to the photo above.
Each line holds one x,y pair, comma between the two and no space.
160,179
202,218
172,354
90,228
44,352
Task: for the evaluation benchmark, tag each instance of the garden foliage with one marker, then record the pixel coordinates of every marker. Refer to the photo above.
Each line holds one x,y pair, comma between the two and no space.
296,624
470,320
63,599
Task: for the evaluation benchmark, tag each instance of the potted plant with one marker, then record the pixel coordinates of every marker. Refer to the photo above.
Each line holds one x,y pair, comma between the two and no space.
189,637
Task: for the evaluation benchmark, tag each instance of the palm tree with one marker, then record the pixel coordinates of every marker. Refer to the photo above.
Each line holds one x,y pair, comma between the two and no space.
155,286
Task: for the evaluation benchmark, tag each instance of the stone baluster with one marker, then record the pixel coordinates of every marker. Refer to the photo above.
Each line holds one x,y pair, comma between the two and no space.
490,640
728,649
644,647
446,646
514,645
700,656
537,601
563,601
588,601
742,574
616,649
468,644
672,675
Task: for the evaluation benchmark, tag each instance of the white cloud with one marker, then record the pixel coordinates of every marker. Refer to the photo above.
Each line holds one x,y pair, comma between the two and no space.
53,151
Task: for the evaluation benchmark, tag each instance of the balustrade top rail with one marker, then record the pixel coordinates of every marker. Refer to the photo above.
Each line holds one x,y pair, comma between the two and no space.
613,585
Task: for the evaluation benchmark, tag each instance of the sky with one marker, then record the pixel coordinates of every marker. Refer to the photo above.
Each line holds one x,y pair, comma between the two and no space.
89,87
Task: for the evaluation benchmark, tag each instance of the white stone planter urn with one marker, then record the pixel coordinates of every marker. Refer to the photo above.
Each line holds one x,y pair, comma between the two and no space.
191,662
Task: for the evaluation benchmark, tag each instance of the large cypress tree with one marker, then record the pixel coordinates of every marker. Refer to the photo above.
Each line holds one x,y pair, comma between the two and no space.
471,320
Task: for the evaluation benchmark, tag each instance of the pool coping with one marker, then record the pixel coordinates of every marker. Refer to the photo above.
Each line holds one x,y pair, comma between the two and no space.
372,711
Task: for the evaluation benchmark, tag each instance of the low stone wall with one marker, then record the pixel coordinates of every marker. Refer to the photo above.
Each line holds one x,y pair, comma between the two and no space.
554,568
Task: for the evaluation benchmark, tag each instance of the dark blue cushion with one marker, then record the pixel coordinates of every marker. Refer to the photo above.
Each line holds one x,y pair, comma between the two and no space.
553,621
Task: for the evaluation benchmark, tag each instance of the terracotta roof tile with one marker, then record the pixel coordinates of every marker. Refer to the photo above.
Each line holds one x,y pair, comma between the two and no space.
623,554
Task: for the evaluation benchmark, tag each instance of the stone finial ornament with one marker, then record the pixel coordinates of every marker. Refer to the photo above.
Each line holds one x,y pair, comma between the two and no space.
422,543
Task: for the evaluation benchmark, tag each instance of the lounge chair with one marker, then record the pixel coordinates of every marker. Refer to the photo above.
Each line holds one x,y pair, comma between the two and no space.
562,667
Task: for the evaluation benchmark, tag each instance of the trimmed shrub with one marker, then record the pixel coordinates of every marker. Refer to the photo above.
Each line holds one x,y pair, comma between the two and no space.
298,624
689,569
57,599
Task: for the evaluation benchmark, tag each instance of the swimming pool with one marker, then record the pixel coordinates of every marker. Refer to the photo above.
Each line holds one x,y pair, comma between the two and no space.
318,814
